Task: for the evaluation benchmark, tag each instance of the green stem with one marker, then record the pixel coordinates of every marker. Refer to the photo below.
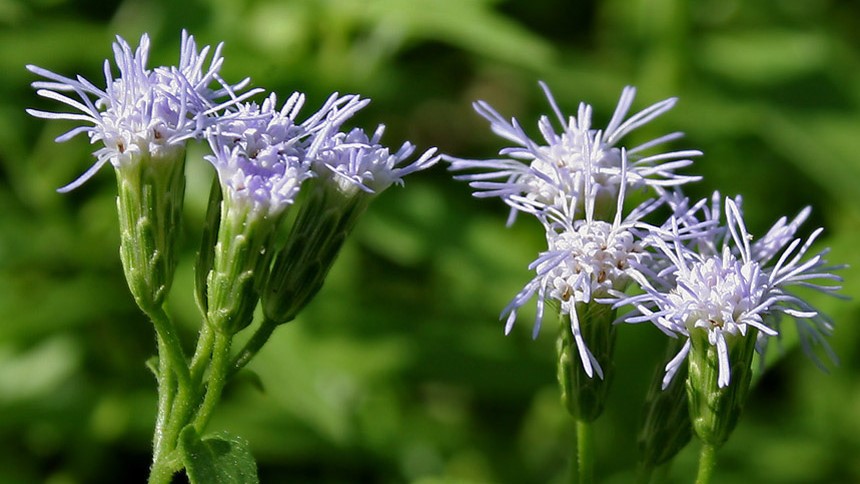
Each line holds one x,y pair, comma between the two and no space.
175,395
169,344
160,473
218,375
260,337
202,353
165,399
168,461
585,451
574,464
173,385
707,463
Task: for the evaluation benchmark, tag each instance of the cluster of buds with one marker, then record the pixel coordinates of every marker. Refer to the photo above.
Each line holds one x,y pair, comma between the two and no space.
699,279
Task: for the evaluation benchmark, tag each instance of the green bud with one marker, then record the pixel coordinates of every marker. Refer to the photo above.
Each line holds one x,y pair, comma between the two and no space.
239,263
715,411
584,396
666,427
149,204
324,221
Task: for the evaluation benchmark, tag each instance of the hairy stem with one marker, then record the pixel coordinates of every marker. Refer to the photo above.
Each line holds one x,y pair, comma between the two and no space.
707,463
585,451
260,337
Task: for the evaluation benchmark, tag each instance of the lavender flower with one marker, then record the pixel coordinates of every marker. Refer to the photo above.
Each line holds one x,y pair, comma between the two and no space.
725,287
262,155
553,174
354,161
144,112
586,260
143,119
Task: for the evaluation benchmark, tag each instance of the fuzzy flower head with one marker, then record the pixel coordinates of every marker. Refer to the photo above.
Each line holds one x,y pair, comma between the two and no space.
552,171
143,113
356,162
586,260
739,287
262,154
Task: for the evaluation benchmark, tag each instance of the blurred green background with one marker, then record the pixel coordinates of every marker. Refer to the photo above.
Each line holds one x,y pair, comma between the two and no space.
399,370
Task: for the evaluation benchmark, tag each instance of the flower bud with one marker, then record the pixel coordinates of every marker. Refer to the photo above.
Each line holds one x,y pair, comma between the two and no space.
149,203
665,428
241,257
325,220
715,409
259,155
584,396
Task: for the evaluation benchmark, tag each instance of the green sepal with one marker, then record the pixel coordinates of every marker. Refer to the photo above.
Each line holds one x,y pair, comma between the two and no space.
324,221
665,427
715,411
206,255
152,365
584,396
218,459
149,203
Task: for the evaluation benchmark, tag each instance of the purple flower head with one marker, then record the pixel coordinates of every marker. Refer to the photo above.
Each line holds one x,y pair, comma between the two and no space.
551,172
586,260
262,154
144,112
727,285
354,162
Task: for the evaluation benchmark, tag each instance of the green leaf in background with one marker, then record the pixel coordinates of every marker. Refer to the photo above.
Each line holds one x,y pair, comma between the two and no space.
220,459
472,25
765,57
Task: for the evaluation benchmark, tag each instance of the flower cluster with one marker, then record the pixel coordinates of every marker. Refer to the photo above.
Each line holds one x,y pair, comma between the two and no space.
586,260
577,166
698,278
145,112
575,182
263,155
696,272
725,287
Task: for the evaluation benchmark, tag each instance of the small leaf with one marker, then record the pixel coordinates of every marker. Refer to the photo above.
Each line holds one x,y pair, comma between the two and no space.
219,459
249,377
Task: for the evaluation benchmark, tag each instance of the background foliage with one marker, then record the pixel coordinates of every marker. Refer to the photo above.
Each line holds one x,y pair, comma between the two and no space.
399,372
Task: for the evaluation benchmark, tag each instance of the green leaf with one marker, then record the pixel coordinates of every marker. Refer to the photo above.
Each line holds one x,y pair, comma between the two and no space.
474,26
219,459
250,377
758,57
